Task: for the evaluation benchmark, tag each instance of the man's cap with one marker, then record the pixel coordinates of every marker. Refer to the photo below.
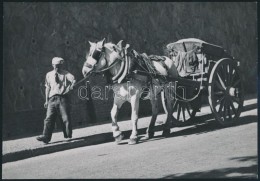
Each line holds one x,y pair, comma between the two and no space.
57,60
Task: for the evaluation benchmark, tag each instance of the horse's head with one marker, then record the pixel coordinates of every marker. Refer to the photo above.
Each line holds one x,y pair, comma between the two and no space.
100,55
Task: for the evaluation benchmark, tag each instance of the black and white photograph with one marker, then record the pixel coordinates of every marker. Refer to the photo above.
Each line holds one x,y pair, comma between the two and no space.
130,90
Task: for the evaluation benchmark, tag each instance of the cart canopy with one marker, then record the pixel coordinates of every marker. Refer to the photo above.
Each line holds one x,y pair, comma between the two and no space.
197,45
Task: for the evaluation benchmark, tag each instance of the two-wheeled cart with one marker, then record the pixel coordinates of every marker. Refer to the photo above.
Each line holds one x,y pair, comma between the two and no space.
206,69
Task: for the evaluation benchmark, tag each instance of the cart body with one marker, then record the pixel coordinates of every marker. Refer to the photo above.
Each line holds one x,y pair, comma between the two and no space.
214,73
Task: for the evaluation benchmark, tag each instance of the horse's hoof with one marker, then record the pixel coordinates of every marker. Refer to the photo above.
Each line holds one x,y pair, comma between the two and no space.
132,141
149,135
119,138
166,133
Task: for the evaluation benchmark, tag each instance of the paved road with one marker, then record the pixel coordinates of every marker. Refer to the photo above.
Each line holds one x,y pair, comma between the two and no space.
198,151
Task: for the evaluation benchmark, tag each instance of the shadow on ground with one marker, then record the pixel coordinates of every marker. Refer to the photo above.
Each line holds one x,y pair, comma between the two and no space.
212,125
233,172
200,125
207,123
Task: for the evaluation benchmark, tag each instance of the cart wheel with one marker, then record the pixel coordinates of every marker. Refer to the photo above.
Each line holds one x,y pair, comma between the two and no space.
226,96
183,112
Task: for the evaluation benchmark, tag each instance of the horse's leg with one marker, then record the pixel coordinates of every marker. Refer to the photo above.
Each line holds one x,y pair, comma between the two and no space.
117,134
150,129
169,107
134,118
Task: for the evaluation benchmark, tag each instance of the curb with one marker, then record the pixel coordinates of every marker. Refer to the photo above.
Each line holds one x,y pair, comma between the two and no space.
51,148
74,143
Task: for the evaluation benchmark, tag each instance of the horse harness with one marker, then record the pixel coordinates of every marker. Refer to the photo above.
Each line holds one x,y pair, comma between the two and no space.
141,62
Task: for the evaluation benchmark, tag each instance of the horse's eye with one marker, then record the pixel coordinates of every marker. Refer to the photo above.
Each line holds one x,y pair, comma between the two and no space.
88,65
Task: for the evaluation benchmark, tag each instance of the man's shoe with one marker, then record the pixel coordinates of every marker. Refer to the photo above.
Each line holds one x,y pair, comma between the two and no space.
68,139
43,139
65,136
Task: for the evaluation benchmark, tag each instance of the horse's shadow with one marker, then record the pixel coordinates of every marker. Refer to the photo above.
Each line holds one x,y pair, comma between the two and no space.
203,124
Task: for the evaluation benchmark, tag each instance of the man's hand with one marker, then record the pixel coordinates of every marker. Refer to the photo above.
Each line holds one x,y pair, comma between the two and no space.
72,84
46,104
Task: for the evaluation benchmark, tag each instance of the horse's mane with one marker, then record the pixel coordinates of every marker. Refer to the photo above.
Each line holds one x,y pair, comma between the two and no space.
109,46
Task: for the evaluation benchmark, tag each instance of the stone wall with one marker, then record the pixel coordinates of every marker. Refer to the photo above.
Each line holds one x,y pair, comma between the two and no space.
33,33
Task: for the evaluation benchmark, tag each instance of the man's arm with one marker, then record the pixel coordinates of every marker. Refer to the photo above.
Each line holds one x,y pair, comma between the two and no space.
47,92
72,79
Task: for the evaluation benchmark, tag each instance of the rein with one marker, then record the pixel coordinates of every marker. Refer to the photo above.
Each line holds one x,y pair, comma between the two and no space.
100,71
109,67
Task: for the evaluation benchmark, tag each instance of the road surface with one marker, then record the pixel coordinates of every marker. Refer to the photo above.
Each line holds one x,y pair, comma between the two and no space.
203,150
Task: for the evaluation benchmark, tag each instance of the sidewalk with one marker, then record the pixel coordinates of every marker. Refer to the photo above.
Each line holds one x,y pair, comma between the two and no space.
29,147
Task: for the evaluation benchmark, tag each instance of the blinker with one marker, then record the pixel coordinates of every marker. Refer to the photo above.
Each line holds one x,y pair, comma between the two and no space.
97,55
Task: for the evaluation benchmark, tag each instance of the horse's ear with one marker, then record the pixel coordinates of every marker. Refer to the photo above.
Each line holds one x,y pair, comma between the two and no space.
119,44
103,41
91,43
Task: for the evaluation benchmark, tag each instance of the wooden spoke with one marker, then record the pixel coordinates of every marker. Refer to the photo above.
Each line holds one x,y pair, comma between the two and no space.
221,105
175,101
233,108
234,74
219,100
221,81
183,113
219,93
227,74
219,86
225,111
178,111
222,72
228,111
230,73
188,110
224,67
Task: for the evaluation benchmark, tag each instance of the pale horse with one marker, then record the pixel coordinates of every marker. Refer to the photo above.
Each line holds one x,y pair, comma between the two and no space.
103,56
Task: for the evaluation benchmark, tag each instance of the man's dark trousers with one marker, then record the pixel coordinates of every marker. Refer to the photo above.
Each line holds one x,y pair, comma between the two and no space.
56,104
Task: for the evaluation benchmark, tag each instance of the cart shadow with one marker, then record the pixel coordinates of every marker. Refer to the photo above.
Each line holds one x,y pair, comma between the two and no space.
232,172
205,124
211,125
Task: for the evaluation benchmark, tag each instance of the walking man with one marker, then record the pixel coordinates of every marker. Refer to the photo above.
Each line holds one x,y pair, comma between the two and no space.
58,83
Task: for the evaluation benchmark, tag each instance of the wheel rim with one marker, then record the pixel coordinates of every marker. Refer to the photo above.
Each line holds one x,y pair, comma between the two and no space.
226,91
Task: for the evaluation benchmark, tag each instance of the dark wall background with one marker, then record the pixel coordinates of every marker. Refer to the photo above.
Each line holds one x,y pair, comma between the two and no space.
34,33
